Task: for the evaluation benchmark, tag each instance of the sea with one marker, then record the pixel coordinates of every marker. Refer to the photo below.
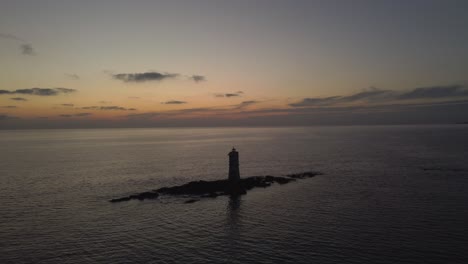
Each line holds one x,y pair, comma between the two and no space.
388,194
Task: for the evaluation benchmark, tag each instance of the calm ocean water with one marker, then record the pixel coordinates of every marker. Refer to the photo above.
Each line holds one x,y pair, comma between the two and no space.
389,194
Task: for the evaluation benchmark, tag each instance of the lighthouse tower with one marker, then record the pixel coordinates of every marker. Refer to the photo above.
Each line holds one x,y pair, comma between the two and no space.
234,175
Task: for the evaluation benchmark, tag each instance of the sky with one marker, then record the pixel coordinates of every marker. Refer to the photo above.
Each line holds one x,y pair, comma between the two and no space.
80,64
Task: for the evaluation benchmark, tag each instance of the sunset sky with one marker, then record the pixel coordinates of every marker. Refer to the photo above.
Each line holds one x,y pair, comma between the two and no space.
218,63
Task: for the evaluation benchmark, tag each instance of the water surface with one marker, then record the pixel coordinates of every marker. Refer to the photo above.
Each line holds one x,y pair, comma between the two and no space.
390,194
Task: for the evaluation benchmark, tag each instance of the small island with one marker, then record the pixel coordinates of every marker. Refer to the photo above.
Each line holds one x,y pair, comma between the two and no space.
234,185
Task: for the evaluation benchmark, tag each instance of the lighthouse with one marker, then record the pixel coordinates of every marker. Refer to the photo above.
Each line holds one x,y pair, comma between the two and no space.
234,175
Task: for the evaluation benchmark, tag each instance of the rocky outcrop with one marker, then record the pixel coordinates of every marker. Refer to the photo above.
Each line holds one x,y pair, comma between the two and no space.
140,196
219,187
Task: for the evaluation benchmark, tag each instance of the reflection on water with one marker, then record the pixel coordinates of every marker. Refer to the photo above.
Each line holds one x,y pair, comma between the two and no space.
234,202
233,225
233,212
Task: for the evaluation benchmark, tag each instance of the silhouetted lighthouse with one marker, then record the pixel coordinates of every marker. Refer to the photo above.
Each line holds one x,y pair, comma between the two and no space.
234,174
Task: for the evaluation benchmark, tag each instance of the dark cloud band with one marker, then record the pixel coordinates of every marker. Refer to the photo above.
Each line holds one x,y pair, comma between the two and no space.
374,95
76,115
40,91
7,117
436,92
236,94
143,77
153,76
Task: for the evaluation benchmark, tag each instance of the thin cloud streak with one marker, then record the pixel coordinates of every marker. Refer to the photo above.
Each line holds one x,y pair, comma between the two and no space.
19,99
40,91
435,92
108,108
12,37
75,115
232,109
144,77
174,102
377,96
7,117
236,94
245,104
25,48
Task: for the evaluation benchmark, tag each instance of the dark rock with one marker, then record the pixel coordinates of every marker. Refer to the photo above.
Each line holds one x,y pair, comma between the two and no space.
123,199
191,201
303,175
147,195
210,195
218,187
141,196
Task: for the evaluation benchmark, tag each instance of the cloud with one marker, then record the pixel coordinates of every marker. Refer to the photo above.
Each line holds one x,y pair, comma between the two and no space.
176,113
83,114
9,106
116,108
245,104
174,102
143,77
40,91
205,111
72,76
422,113
89,107
198,78
75,115
377,96
371,93
315,101
7,117
11,36
436,92
27,49
110,108
67,105
19,99
236,94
